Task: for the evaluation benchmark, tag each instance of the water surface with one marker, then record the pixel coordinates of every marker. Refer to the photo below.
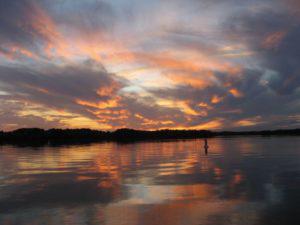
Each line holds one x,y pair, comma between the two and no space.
245,180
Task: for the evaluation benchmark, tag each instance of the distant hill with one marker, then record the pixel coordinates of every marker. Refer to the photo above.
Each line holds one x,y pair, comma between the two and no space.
64,136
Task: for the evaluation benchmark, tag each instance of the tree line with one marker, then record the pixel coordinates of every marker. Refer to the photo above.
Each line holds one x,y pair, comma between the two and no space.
52,136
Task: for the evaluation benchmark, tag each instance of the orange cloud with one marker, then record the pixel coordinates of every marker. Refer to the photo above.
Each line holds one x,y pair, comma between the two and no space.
44,25
149,122
216,99
248,122
15,51
236,93
173,60
190,79
108,90
84,122
205,105
111,103
273,40
214,124
183,106
58,45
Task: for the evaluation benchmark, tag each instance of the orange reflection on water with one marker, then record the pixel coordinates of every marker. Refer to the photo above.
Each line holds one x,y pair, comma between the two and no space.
218,172
151,183
238,178
170,183
171,213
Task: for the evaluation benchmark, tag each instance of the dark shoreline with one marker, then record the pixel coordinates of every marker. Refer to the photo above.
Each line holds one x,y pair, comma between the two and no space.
40,137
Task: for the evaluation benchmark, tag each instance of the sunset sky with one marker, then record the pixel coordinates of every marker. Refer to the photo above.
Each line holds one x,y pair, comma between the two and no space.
150,64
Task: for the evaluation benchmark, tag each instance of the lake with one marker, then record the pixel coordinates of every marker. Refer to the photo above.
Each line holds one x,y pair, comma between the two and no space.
240,180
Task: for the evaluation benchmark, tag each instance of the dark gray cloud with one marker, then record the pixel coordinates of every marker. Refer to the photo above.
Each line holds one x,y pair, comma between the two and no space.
72,15
278,53
20,26
13,14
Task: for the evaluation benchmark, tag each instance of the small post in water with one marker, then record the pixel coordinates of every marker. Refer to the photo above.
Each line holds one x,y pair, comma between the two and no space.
205,146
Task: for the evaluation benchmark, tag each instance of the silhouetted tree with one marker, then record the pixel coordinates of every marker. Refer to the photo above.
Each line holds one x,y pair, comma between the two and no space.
74,136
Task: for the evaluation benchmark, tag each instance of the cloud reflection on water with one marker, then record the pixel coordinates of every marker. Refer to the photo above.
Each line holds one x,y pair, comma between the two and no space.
240,181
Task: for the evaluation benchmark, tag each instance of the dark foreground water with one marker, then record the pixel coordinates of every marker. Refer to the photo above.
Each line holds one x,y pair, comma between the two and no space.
240,181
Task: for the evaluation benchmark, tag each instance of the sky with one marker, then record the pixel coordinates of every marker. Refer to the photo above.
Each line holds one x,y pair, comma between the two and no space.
159,64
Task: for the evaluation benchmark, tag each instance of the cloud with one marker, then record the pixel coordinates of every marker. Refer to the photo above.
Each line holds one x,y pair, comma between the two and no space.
109,64
26,29
274,36
11,117
59,88
73,16
232,106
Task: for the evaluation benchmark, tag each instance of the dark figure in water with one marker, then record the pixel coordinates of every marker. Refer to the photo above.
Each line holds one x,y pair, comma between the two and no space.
205,146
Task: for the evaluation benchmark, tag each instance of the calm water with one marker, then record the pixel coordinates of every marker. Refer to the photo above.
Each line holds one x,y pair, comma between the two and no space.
240,181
